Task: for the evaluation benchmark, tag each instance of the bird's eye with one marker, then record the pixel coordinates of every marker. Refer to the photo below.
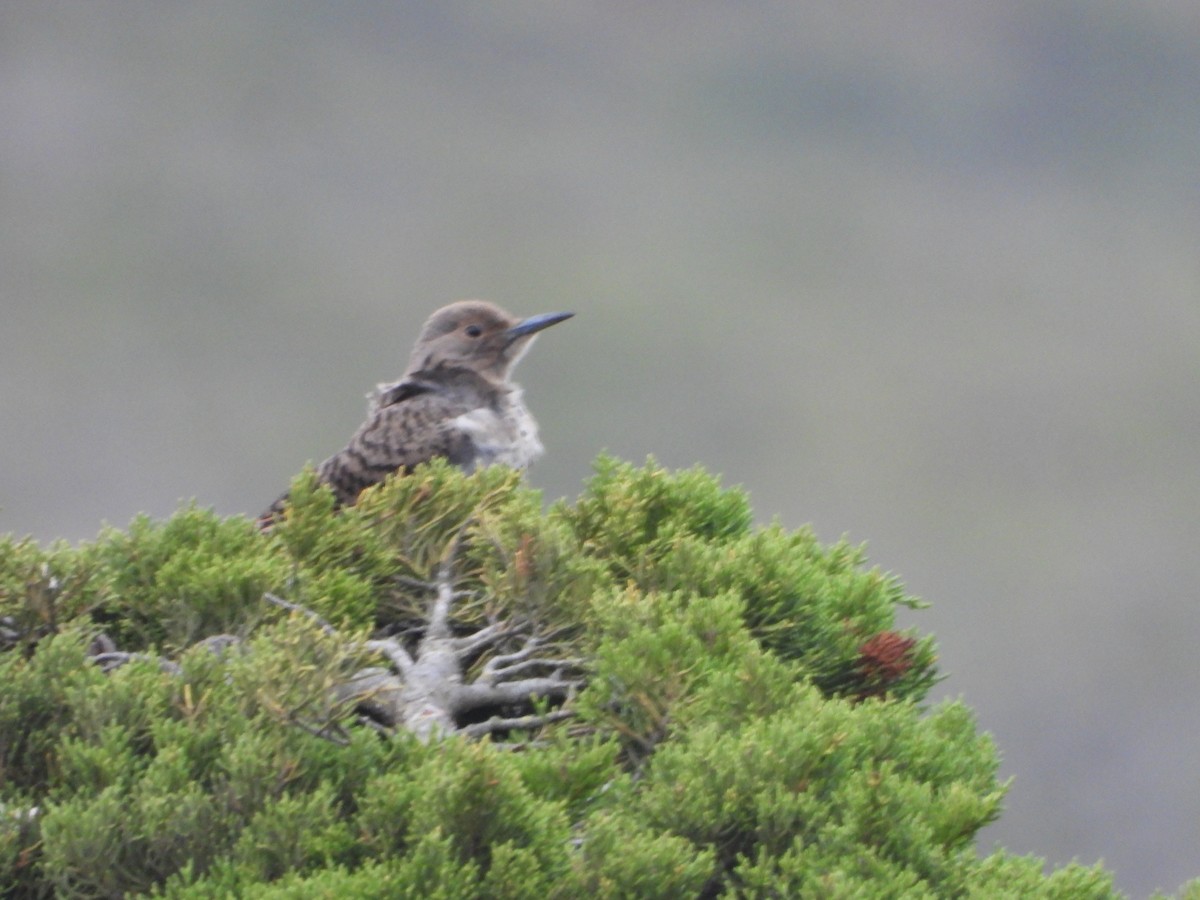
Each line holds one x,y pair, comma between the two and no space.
473,331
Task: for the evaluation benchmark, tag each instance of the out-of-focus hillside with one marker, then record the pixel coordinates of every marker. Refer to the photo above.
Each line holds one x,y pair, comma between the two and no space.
928,276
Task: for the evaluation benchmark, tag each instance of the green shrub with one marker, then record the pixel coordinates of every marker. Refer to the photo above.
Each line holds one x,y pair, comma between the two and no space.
749,720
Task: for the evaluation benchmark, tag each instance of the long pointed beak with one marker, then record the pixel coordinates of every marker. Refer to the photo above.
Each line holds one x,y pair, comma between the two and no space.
537,323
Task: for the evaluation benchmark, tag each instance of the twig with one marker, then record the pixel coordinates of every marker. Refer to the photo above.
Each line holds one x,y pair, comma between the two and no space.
409,581
473,696
439,615
397,655
498,663
368,722
325,732
469,644
296,607
518,723
492,673
116,658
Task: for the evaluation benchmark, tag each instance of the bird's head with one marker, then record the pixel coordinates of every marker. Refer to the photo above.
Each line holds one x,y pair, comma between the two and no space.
477,335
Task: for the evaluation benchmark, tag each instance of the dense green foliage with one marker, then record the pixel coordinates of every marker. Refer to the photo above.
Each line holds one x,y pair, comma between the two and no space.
752,725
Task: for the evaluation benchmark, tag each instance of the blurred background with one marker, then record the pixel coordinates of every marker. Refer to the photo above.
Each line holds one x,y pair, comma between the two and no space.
925,274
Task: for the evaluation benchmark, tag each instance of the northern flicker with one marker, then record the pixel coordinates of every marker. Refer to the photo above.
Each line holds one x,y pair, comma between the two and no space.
456,400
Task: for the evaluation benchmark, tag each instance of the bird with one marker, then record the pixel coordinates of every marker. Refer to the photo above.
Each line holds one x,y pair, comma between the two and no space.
456,399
